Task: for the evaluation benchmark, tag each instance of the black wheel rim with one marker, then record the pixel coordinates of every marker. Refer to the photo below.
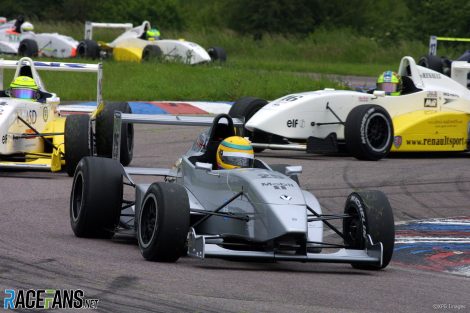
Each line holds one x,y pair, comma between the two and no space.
378,132
353,229
148,221
77,196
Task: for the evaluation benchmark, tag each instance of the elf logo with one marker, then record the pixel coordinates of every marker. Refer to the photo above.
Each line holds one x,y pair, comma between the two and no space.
292,123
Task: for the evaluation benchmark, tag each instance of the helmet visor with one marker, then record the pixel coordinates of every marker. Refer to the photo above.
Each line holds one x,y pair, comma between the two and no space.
238,159
23,93
388,87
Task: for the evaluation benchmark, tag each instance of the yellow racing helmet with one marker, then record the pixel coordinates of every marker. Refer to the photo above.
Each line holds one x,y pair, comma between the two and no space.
235,152
153,34
390,82
27,27
24,87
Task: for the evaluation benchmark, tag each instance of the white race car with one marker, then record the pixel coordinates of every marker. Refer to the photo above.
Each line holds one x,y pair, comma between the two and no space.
17,37
431,114
132,45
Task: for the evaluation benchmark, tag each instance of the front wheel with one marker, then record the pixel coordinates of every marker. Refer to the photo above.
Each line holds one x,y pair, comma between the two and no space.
371,214
368,132
163,222
217,54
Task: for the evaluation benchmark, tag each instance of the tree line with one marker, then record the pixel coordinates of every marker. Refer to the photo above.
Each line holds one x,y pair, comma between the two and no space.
387,20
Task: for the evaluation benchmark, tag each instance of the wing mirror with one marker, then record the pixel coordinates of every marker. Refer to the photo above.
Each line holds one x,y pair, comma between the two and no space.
291,170
379,93
53,100
204,166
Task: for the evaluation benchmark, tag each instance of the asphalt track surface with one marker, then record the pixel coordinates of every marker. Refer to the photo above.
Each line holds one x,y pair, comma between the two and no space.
39,250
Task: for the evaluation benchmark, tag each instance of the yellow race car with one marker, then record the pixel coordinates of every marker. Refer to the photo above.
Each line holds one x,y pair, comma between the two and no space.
37,133
143,43
432,113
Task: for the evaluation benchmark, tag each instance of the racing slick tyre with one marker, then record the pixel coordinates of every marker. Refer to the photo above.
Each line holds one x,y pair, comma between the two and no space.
77,137
96,198
371,214
281,168
163,223
246,107
368,132
28,48
217,54
104,132
435,63
88,49
151,52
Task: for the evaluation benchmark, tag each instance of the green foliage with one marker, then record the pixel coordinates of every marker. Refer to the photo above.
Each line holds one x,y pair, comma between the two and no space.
272,16
163,13
440,17
385,21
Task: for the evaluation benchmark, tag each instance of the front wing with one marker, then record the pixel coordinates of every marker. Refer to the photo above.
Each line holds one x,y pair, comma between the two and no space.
201,246
47,162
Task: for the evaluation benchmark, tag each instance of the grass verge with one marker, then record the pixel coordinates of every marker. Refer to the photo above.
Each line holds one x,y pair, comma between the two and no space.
172,81
266,68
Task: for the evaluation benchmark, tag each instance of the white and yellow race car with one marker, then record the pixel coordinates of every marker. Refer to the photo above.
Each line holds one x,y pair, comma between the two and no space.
134,45
431,114
36,135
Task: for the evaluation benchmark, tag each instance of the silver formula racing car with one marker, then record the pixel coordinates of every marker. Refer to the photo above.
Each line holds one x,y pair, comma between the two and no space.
258,213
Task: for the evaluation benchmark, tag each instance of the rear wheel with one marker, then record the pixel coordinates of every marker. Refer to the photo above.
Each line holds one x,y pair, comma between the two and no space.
163,223
105,128
88,49
368,132
28,48
245,108
96,198
151,52
371,214
439,64
217,54
77,137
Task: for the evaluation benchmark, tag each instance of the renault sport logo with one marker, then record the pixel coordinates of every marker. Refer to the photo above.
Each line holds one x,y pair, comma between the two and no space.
286,197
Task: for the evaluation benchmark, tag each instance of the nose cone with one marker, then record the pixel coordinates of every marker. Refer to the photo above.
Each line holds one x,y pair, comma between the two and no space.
266,120
265,186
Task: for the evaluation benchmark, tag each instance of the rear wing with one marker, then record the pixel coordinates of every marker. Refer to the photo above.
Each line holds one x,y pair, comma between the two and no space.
433,42
127,118
90,25
54,66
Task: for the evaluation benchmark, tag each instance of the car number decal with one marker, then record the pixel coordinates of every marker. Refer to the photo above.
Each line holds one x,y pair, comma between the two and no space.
45,114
